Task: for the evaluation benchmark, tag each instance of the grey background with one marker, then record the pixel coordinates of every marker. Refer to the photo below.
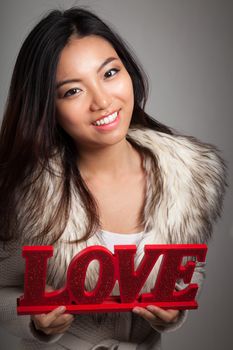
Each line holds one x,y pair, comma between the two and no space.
186,48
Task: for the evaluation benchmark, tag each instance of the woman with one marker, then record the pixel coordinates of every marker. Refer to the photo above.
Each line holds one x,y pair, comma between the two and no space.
83,164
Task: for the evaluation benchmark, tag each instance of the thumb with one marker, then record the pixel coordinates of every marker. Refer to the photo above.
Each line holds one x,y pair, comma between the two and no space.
49,288
53,315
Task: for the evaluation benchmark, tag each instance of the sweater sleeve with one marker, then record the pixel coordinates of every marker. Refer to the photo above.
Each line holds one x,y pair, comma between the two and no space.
11,288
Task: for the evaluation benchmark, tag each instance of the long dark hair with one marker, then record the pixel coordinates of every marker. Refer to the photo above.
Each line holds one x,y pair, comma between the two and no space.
31,137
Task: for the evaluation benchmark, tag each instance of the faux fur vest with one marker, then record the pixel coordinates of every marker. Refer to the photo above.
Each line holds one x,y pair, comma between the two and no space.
192,176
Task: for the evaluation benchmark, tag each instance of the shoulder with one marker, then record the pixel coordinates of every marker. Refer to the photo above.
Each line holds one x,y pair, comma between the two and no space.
181,147
194,179
185,154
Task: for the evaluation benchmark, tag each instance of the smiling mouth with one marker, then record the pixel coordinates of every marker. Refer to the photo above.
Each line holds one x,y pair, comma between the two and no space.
106,120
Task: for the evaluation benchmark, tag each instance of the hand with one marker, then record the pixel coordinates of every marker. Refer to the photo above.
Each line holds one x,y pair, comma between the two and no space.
54,322
157,316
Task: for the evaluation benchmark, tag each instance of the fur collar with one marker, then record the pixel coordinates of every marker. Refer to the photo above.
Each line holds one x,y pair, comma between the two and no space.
192,177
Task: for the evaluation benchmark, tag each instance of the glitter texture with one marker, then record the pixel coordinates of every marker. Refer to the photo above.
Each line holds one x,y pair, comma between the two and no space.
112,267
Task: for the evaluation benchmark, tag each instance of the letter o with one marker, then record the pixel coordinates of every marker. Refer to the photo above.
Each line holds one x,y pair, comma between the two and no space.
77,272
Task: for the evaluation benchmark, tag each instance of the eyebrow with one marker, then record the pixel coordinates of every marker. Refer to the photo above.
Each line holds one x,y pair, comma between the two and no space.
63,82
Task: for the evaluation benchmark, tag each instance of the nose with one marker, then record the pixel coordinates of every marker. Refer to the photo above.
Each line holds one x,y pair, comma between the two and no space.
100,100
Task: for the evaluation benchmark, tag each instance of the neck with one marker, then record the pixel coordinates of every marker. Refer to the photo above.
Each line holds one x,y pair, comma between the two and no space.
112,161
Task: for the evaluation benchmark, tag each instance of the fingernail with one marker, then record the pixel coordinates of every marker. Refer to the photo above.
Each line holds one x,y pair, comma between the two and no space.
153,307
136,310
62,308
150,308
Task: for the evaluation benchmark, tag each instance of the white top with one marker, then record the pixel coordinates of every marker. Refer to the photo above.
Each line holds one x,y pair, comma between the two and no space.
112,238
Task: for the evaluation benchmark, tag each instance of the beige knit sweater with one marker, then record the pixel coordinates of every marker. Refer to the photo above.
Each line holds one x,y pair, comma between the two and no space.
193,177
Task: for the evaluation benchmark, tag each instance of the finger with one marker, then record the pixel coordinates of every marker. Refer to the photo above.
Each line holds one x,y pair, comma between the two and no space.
56,330
41,323
44,320
54,314
165,315
62,321
147,315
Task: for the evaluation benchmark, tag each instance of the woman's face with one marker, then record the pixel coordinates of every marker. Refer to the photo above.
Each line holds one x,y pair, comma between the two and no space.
95,97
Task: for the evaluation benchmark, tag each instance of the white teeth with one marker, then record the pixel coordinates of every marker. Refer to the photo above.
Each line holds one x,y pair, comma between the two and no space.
106,120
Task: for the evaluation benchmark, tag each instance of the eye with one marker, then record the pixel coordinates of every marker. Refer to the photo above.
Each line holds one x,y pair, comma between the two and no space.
108,73
71,92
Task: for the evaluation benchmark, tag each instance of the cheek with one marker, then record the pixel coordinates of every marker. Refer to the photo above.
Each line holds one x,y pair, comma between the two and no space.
125,90
67,124
66,116
64,121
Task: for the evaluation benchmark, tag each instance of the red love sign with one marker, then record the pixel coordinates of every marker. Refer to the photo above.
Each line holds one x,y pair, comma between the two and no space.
118,266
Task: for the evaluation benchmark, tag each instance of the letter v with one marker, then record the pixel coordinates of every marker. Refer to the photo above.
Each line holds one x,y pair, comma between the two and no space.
131,281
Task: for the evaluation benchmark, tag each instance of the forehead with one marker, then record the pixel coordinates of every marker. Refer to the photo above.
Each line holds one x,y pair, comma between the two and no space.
83,55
